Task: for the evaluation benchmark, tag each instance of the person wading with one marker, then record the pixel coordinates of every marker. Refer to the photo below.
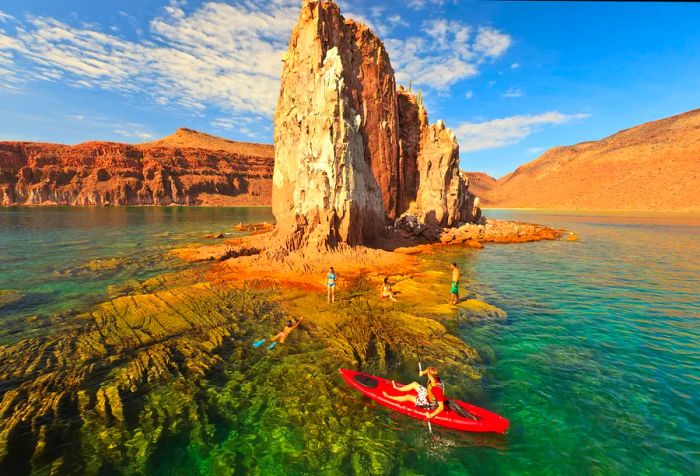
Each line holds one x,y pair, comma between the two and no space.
454,291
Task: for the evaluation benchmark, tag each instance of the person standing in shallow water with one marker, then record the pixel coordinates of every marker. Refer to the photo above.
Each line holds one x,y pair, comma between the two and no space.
454,291
330,284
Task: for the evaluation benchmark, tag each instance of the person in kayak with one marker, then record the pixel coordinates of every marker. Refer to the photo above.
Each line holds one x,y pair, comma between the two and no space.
430,398
454,291
387,292
330,284
281,336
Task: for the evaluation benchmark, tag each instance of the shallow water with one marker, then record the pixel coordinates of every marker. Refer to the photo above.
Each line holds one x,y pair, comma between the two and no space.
596,365
45,253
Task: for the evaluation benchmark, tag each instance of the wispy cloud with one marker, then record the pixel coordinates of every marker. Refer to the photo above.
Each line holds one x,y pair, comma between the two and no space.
534,150
220,54
224,56
513,93
447,53
133,132
497,133
421,4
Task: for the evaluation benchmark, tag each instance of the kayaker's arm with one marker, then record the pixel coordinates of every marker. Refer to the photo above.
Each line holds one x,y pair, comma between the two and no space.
436,412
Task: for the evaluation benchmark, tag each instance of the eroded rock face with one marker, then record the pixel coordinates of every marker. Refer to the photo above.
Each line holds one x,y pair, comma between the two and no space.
324,191
105,173
352,152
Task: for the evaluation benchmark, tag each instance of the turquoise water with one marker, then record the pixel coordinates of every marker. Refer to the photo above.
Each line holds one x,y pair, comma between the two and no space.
45,254
597,364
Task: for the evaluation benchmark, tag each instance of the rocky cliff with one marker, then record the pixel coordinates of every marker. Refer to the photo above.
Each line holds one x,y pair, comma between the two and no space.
654,166
187,168
480,184
351,152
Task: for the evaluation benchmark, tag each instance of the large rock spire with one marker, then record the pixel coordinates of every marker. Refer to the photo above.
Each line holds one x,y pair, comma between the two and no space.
351,152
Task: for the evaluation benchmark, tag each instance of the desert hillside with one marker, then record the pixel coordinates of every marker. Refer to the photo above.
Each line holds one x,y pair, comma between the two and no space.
654,166
186,168
188,138
480,184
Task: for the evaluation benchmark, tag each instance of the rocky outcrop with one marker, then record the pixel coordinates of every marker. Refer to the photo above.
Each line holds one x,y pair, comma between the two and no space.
413,120
106,173
480,184
351,152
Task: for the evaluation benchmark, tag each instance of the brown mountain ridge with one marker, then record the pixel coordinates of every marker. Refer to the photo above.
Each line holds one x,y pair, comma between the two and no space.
186,168
651,167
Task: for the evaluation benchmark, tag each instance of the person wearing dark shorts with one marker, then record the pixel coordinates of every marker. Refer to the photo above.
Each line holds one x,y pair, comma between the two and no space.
454,290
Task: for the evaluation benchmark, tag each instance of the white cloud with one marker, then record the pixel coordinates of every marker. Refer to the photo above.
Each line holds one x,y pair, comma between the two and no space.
421,4
134,134
534,150
397,20
469,95
447,53
508,130
225,56
515,66
219,54
491,42
513,93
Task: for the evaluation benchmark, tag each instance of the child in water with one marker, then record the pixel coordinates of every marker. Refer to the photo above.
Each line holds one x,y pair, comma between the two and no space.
281,336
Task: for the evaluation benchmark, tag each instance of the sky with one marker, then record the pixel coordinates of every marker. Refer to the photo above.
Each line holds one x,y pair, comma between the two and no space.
512,79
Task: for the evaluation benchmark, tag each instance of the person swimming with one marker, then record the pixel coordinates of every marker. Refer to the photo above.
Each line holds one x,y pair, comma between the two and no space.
387,291
330,284
281,336
430,398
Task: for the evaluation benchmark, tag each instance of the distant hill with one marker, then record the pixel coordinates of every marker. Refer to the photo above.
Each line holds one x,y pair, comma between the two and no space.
186,168
480,184
188,138
654,166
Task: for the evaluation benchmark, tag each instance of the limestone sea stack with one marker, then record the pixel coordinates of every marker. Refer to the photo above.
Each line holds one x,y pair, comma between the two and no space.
353,153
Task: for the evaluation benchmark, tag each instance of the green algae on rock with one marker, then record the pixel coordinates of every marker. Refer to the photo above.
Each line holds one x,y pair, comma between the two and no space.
8,297
167,363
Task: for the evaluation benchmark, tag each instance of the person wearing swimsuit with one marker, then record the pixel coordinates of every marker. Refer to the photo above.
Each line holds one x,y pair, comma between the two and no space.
454,290
330,284
281,336
387,292
430,398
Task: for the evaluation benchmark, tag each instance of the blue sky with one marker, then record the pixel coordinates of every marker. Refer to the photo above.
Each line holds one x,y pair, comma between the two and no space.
511,78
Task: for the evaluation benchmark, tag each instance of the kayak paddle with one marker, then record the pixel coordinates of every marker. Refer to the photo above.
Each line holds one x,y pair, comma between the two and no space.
420,371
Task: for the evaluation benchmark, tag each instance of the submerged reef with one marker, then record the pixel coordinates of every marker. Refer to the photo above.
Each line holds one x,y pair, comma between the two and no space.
163,375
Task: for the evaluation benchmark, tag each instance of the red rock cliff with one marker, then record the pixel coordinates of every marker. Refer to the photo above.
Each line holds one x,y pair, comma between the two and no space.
187,168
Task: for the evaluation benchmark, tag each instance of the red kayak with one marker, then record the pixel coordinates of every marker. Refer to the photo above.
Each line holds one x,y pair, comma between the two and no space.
374,387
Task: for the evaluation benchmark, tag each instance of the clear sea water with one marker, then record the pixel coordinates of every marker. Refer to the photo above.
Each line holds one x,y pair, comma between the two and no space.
597,364
44,253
